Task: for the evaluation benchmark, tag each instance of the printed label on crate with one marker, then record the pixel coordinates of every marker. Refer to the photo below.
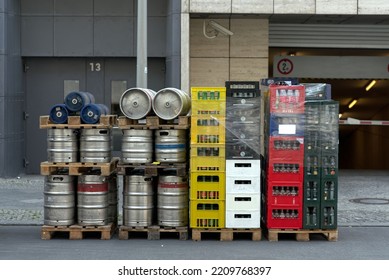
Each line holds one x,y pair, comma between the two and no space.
292,125
285,129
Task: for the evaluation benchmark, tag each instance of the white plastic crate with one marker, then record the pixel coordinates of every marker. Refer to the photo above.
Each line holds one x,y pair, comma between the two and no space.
243,184
243,202
243,219
243,167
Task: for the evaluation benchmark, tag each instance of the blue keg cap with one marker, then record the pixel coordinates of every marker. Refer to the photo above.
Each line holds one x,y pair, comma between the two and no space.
59,114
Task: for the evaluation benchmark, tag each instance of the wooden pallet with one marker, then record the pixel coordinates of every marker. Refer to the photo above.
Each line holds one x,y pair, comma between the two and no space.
303,234
154,122
153,232
151,169
227,234
79,168
106,121
77,232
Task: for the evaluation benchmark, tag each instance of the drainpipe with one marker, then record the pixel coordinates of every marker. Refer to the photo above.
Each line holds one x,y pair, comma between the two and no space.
141,45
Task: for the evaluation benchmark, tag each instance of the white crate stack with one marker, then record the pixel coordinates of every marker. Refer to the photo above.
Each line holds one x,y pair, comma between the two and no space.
243,194
243,160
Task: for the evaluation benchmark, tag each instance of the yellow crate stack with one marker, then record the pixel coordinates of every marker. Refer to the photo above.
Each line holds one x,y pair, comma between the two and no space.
207,158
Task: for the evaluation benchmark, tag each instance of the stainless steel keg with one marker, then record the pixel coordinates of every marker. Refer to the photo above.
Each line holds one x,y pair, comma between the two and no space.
137,146
138,204
92,200
169,103
95,145
62,145
170,145
59,200
136,103
173,201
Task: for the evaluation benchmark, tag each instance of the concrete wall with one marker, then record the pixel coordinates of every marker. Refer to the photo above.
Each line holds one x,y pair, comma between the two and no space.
90,28
336,7
243,56
11,91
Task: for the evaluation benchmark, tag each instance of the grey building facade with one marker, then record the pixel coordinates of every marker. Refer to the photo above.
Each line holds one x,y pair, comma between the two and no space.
51,47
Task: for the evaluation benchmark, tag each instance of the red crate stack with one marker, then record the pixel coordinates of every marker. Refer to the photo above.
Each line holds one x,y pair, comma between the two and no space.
285,158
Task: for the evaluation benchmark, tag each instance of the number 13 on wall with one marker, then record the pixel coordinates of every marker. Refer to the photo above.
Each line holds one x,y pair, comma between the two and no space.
95,67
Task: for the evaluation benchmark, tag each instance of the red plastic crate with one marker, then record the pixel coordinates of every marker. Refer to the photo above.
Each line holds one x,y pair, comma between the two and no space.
285,193
287,99
285,170
279,217
286,148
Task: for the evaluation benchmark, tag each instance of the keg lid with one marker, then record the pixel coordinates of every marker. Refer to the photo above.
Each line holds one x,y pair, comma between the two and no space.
59,114
75,100
167,104
90,113
135,103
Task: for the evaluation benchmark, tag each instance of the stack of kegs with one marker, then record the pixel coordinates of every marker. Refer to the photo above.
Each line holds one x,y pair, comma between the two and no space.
167,103
78,103
138,145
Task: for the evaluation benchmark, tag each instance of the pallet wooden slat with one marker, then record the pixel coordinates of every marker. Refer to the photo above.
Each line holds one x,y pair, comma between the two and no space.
228,234
106,121
76,232
79,168
153,169
303,234
154,122
153,232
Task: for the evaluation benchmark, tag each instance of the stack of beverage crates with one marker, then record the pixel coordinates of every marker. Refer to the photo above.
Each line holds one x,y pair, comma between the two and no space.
207,158
321,158
243,155
285,157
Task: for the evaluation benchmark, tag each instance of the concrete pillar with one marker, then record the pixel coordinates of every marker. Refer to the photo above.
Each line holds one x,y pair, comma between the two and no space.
173,47
11,91
185,84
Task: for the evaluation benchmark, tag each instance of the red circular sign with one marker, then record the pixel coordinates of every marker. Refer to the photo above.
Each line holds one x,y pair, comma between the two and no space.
285,66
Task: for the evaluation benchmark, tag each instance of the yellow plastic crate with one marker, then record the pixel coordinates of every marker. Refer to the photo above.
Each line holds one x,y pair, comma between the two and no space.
202,164
209,191
208,130
206,214
208,93
208,156
207,151
208,187
209,108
